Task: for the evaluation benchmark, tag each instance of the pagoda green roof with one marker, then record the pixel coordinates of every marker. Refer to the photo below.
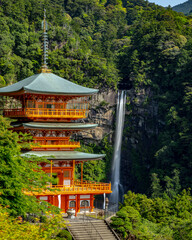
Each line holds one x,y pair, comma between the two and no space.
63,126
65,155
48,83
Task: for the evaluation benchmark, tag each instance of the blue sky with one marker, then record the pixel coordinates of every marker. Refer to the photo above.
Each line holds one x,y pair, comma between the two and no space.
165,3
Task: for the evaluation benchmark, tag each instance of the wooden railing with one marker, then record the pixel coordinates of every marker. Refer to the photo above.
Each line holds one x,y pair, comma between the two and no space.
46,113
94,186
57,146
100,185
84,188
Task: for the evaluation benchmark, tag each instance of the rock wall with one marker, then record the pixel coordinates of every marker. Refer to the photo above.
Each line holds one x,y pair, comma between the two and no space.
139,136
102,112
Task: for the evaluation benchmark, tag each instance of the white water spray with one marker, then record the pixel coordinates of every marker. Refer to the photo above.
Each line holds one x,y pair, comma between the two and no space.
115,176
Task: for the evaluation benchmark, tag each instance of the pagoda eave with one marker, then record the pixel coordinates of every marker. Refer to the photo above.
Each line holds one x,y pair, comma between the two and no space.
46,84
64,155
49,94
53,126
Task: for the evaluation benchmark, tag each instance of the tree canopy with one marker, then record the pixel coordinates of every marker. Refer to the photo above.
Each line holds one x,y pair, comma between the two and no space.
143,218
19,174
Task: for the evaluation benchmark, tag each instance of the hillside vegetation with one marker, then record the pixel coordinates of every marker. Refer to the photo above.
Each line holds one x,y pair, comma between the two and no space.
158,218
185,7
99,43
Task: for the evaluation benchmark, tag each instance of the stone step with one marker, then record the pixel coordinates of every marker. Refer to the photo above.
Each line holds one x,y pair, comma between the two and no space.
95,230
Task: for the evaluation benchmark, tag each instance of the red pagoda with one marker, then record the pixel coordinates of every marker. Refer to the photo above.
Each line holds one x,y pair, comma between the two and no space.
49,107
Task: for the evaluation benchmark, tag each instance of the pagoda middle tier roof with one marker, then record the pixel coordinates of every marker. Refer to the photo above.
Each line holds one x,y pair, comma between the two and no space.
55,126
65,155
47,83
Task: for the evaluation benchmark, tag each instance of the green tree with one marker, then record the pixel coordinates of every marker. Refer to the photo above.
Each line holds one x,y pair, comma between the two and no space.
140,217
155,186
18,174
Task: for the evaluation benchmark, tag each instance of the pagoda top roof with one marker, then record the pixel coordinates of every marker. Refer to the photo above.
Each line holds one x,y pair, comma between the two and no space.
47,83
64,155
47,125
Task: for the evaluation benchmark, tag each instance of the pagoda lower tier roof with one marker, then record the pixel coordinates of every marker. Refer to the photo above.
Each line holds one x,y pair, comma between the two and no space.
47,83
64,155
55,126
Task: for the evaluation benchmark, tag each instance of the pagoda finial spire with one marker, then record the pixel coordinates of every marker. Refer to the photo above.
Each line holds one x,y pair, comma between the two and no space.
44,25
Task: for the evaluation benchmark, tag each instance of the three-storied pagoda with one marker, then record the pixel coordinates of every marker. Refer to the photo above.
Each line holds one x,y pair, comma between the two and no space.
49,107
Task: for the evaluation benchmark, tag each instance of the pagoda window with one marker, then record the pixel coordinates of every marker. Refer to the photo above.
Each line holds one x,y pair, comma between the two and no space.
40,105
30,104
85,203
72,204
52,106
66,174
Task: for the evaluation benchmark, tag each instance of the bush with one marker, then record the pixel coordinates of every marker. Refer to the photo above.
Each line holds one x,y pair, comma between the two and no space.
43,219
64,234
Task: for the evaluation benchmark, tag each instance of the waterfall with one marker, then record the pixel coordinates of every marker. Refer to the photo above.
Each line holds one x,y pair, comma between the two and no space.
115,175
104,199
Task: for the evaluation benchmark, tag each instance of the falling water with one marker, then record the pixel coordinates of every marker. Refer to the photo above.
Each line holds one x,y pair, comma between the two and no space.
104,199
115,176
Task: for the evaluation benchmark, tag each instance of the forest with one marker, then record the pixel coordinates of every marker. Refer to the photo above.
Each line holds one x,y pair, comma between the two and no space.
105,44
184,7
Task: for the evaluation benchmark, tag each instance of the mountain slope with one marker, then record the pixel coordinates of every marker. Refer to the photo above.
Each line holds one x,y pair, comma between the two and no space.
185,7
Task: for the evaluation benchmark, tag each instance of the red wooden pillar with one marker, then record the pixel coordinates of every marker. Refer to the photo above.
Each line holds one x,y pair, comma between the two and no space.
66,202
91,202
50,199
56,201
78,203
53,200
81,172
60,176
63,200
73,173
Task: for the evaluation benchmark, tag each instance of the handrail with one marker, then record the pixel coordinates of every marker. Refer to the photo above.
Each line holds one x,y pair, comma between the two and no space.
45,112
86,183
61,144
74,145
112,230
62,189
91,186
92,226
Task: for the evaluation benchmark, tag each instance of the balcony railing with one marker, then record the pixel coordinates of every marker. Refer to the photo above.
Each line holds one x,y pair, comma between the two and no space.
77,188
46,113
68,145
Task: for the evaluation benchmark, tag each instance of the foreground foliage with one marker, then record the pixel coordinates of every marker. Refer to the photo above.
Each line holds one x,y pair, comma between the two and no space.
158,218
19,173
14,228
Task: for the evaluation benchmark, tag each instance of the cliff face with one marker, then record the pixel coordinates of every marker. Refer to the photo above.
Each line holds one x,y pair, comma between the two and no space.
139,135
102,112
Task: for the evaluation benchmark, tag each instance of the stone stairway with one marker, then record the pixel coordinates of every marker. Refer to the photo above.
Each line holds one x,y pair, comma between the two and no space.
91,230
